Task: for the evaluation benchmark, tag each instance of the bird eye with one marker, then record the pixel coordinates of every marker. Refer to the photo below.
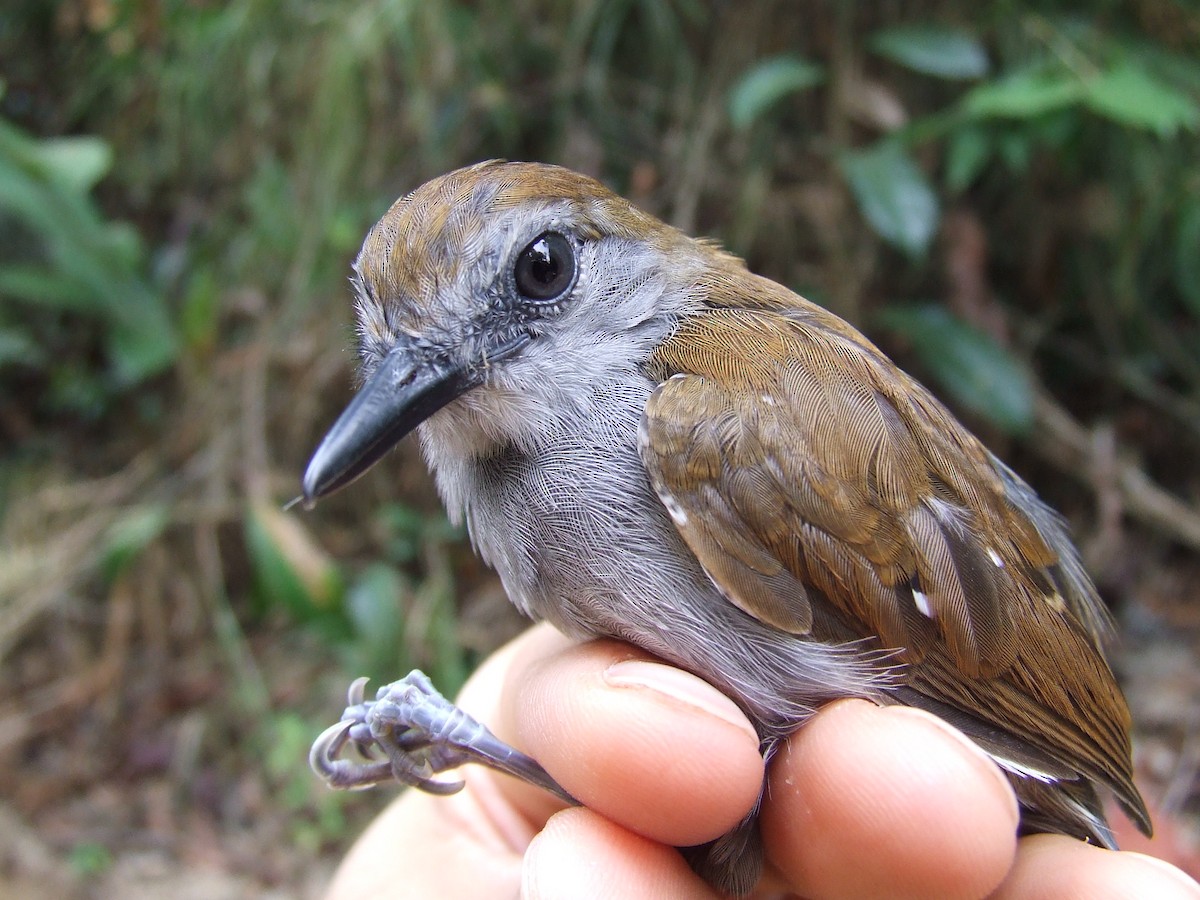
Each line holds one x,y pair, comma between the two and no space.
545,269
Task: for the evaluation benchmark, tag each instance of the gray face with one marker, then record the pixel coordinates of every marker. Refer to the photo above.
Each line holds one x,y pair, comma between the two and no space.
442,280
445,320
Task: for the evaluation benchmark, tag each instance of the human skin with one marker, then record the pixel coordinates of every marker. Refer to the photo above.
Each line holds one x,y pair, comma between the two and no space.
861,802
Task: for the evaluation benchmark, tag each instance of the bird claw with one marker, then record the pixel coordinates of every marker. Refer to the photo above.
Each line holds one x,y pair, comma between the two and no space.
411,733
344,774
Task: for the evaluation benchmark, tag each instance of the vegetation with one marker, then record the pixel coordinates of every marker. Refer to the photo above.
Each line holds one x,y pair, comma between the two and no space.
1007,196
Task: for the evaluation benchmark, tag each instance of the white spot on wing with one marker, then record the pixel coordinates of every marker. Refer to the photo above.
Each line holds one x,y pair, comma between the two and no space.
767,399
995,558
643,435
678,513
923,604
1024,771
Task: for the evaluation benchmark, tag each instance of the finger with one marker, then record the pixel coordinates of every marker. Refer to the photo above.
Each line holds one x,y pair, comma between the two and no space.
649,746
428,846
491,695
580,854
1051,865
869,802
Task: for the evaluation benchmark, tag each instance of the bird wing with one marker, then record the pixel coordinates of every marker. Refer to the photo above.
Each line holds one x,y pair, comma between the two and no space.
830,495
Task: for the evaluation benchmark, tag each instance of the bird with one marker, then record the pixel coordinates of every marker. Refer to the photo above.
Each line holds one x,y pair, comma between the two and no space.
649,442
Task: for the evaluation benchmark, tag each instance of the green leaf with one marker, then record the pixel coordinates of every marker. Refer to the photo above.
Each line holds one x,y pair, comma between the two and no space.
967,364
291,569
932,50
80,261
893,194
1127,93
77,163
1130,95
1024,94
967,152
38,285
769,82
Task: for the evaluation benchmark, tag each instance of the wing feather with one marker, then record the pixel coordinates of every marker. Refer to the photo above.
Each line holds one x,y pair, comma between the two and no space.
807,472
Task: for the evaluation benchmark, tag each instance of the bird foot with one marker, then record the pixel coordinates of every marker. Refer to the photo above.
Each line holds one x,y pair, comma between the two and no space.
412,734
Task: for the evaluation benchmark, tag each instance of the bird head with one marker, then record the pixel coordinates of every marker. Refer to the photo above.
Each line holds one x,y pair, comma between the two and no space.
497,300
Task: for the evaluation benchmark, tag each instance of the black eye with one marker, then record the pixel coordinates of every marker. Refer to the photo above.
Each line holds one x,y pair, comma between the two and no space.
545,270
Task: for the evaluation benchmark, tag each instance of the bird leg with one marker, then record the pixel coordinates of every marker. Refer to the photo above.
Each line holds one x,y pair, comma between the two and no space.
412,733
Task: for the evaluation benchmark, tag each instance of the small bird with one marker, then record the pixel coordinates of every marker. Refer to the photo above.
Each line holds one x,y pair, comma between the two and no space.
649,442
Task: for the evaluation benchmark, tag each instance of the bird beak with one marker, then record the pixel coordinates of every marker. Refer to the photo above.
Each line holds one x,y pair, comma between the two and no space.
407,388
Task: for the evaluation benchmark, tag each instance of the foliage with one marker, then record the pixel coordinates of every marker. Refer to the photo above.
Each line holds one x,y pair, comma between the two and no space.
383,622
932,49
895,198
768,82
61,262
975,370
1092,99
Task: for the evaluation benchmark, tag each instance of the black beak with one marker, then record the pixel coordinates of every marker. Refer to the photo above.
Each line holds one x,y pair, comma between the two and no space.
408,387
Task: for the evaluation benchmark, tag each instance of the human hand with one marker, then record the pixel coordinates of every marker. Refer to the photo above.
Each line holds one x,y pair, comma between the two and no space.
861,802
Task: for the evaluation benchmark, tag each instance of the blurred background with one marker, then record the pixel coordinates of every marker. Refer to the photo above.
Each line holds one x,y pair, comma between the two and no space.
1005,195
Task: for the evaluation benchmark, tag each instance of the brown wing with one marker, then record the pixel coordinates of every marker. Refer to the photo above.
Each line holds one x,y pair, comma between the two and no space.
806,469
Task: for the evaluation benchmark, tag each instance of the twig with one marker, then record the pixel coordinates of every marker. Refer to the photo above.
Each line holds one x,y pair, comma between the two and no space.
1068,445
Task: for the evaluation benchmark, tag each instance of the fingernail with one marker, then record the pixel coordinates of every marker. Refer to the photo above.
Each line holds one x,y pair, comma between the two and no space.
681,687
985,763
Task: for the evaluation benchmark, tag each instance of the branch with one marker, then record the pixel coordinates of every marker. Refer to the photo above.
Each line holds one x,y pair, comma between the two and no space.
1065,443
